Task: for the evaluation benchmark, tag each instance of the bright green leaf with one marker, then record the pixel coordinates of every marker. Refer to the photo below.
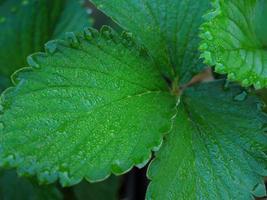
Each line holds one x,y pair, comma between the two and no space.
92,105
215,150
14,188
25,25
234,40
168,29
108,189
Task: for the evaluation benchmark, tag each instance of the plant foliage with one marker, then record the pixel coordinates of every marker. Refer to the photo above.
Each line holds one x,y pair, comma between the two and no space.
15,188
26,25
235,40
97,103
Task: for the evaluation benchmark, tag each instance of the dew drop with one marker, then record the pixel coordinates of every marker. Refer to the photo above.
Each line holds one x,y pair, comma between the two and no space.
241,97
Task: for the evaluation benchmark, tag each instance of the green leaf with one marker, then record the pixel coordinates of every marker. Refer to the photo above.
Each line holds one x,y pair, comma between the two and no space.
25,25
169,30
107,189
215,150
234,40
91,105
14,188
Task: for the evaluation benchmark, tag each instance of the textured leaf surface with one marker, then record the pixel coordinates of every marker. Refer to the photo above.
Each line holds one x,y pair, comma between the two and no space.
88,107
215,150
107,189
168,29
14,188
25,25
234,40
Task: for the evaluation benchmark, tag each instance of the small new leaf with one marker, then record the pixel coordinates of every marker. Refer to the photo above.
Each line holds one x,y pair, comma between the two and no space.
234,40
93,106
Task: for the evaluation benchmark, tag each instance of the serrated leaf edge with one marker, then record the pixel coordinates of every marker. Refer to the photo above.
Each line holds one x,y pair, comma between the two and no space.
34,169
245,80
260,104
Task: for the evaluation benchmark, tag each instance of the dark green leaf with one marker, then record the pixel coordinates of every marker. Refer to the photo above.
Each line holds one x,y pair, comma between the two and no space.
169,29
14,188
215,150
25,25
